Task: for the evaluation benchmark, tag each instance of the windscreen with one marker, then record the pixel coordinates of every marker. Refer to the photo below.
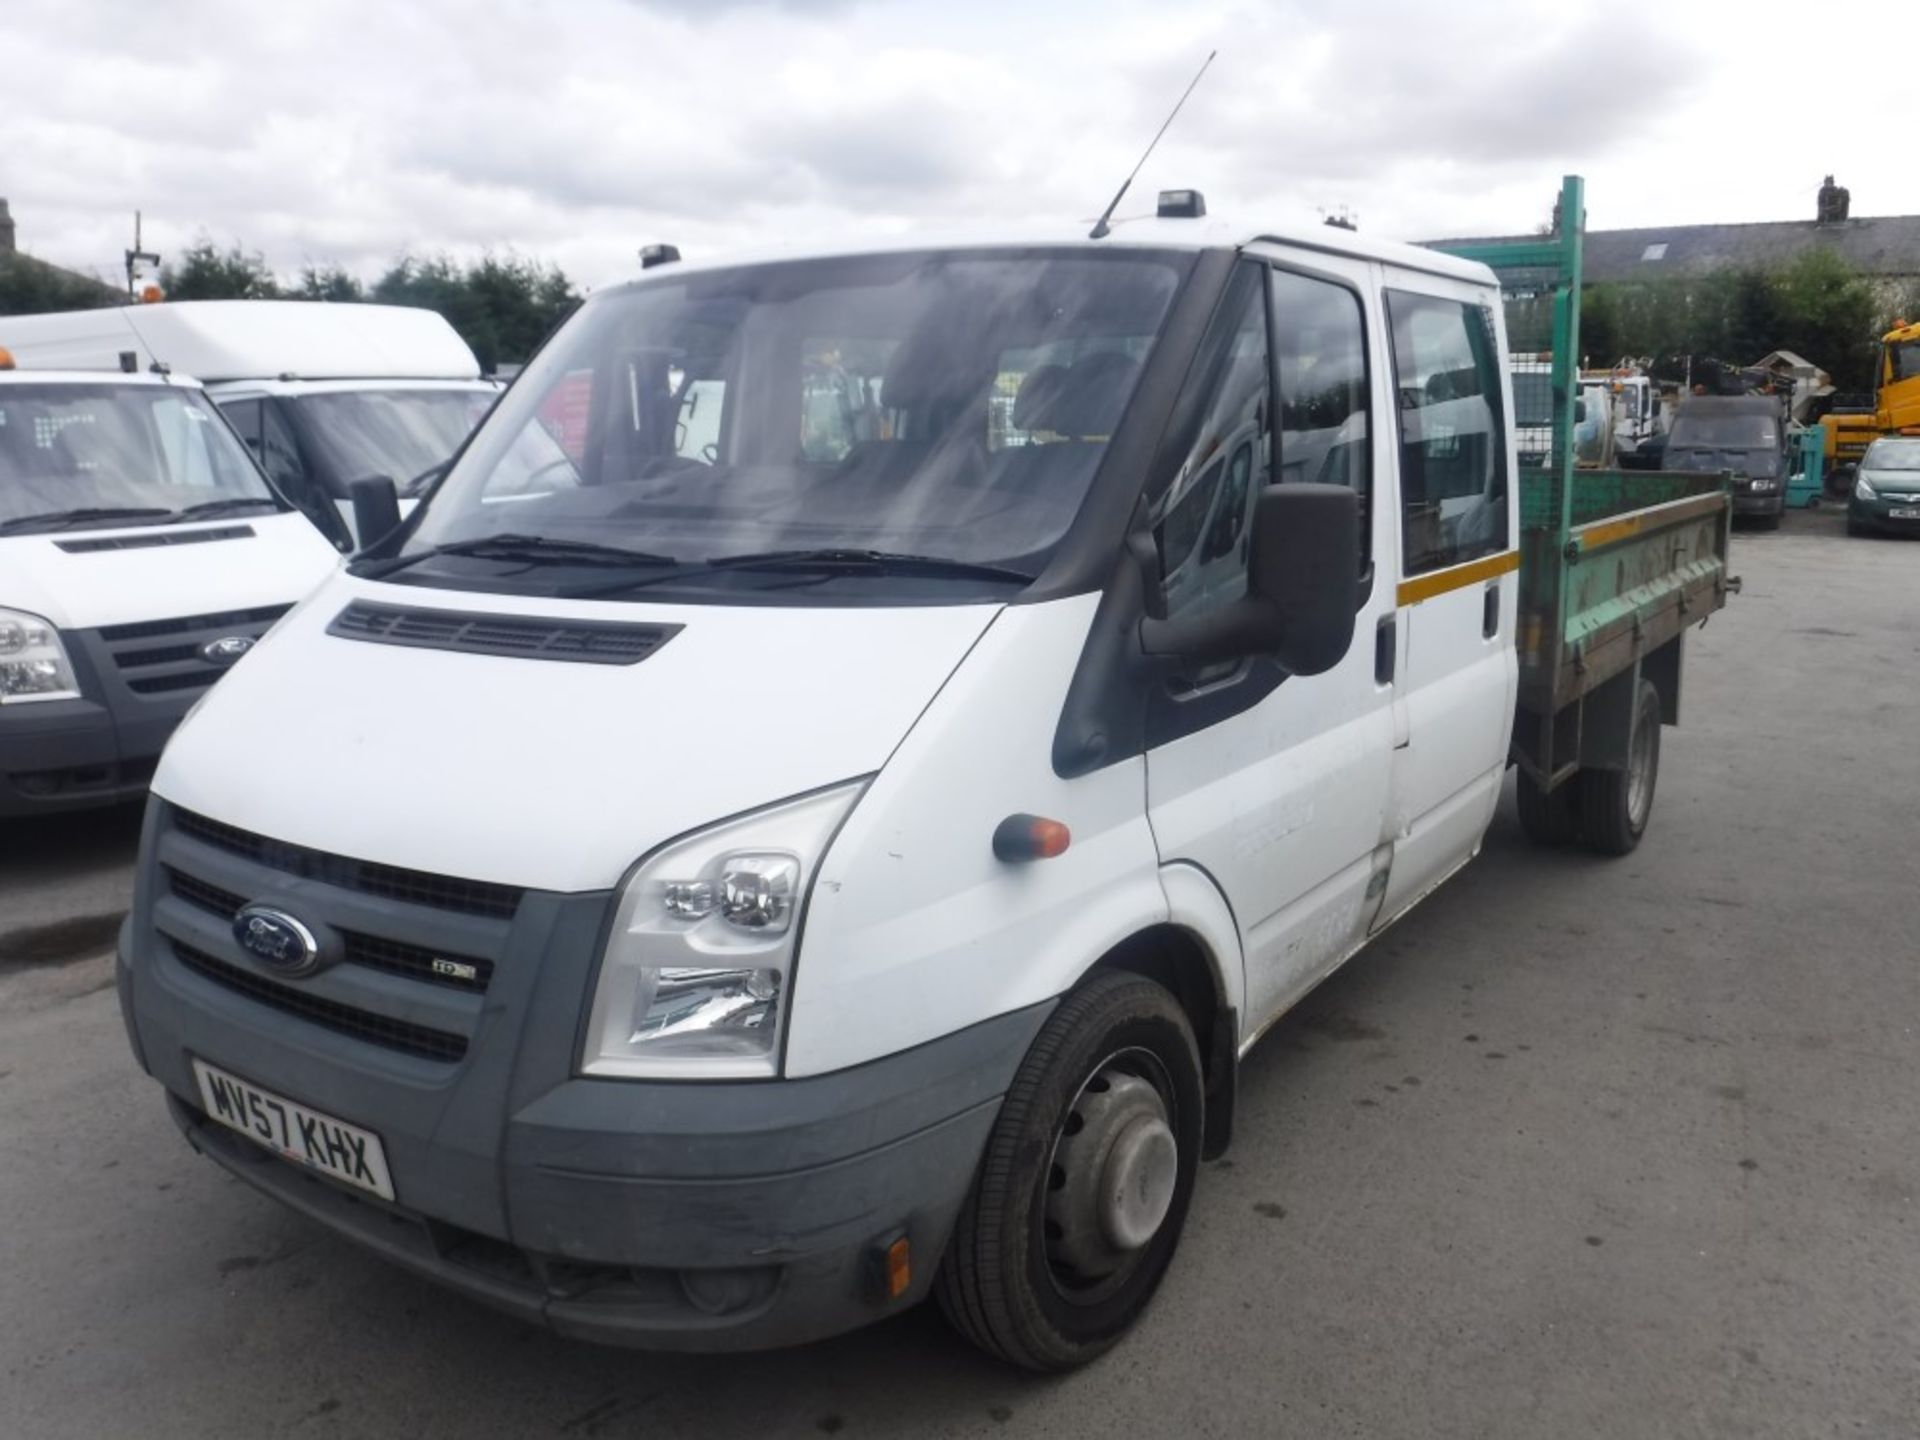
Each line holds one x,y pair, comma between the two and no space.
1892,455
403,434
952,405
1724,432
66,449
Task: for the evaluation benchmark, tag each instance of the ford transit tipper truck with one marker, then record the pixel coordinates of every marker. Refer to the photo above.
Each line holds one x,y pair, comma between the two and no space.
713,885
323,395
142,554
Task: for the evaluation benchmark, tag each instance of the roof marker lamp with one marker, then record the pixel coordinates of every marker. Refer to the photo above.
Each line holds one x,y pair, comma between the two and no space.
697,969
33,662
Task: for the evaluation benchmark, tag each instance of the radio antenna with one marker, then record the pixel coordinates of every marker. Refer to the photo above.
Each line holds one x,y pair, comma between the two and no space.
1100,228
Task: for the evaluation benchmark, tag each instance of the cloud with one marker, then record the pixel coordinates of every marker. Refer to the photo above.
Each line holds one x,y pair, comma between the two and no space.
354,130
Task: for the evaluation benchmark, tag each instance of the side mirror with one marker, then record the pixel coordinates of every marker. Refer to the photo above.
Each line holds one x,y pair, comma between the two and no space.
376,508
1299,603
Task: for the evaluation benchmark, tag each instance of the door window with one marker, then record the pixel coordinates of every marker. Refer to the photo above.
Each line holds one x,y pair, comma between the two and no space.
1220,428
1320,368
1453,483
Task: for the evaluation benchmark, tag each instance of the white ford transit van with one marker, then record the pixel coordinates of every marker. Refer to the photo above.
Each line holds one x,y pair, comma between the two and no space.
745,871
323,394
141,555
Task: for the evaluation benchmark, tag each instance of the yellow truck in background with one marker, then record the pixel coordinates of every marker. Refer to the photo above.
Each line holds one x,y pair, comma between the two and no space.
1895,411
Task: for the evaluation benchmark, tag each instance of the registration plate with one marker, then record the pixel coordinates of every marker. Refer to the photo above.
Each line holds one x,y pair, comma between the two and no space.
1903,512
288,1128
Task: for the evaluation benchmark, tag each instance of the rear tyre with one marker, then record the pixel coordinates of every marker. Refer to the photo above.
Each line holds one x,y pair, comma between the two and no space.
1547,816
1839,481
1615,805
1082,1193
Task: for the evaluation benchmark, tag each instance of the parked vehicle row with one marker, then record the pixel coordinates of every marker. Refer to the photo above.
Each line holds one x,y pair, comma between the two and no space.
142,549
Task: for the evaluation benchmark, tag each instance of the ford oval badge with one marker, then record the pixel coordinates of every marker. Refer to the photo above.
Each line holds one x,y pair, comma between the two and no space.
226,650
277,940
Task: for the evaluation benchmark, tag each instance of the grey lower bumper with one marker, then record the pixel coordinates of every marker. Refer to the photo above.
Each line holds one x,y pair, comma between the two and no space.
1759,503
697,1217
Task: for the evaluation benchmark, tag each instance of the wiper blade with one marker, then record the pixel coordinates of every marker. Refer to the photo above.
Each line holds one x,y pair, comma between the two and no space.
830,561
419,482
223,507
526,549
56,519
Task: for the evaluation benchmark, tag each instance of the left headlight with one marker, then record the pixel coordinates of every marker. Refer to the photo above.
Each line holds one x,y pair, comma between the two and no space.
1862,490
694,982
33,662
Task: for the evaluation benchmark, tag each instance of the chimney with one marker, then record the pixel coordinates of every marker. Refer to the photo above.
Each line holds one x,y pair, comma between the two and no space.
1834,200
6,229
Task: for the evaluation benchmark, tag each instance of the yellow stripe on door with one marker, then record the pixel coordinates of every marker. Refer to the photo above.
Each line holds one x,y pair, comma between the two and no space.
1457,577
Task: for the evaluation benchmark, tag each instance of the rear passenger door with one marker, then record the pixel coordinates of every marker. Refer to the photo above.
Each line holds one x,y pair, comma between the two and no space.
1456,599
1276,786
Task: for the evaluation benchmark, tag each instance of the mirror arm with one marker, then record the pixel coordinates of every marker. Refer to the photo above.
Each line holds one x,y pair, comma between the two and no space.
1244,628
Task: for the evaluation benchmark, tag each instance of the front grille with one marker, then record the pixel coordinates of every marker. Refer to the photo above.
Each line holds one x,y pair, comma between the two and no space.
153,539
588,642
176,663
409,1039
417,887
395,957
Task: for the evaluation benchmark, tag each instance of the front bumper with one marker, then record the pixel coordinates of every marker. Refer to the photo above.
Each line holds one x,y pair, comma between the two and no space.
59,755
1876,515
665,1215
1757,502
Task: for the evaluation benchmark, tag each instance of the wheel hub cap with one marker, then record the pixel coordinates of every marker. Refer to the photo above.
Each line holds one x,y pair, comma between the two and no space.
1115,1169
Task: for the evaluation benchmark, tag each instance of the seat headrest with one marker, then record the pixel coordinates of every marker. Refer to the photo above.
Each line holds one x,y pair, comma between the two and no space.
1088,399
1038,392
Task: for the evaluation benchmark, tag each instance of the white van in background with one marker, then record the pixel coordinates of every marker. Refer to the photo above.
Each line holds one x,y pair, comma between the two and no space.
324,395
141,555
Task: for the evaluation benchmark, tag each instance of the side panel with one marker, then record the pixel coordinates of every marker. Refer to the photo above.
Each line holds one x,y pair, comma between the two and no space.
1461,675
1283,804
914,929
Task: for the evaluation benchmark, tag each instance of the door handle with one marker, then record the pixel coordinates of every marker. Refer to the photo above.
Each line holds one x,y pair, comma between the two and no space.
1490,612
1386,649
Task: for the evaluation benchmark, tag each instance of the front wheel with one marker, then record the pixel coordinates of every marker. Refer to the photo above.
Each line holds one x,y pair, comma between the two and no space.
1083,1190
1615,805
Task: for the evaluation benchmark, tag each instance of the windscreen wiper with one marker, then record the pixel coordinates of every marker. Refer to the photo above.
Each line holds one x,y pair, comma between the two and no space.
419,482
526,549
58,519
831,561
208,508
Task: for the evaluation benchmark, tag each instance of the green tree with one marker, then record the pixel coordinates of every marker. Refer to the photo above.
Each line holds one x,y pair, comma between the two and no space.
206,273
32,287
502,306
329,282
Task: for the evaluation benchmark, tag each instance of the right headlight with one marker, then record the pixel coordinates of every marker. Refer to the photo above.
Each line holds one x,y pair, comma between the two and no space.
33,662
697,967
1862,490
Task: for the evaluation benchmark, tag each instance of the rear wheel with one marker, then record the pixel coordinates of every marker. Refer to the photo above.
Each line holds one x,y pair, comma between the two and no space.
1839,481
1615,805
1083,1189
1547,816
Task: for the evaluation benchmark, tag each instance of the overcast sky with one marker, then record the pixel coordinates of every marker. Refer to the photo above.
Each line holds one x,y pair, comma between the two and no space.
351,131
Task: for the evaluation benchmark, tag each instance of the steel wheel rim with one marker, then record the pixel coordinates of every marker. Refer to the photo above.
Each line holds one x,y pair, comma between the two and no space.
1640,773
1084,1244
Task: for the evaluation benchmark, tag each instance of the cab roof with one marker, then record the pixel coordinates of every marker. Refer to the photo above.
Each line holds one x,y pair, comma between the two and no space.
19,376
1144,233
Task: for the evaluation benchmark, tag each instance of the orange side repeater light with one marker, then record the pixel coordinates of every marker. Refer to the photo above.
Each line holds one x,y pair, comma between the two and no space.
1030,837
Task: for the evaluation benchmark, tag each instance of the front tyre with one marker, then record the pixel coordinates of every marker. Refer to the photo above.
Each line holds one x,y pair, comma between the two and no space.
1081,1195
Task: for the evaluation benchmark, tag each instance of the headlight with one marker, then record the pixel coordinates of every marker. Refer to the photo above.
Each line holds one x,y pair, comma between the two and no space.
695,977
1863,491
33,662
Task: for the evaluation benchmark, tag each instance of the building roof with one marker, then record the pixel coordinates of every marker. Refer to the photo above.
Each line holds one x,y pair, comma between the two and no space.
1885,246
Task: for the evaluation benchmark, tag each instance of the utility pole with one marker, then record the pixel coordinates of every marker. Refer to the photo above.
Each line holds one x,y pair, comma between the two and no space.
136,258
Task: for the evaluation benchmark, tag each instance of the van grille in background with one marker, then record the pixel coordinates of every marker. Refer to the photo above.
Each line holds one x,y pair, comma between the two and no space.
147,668
582,641
417,887
384,1030
392,956
151,539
